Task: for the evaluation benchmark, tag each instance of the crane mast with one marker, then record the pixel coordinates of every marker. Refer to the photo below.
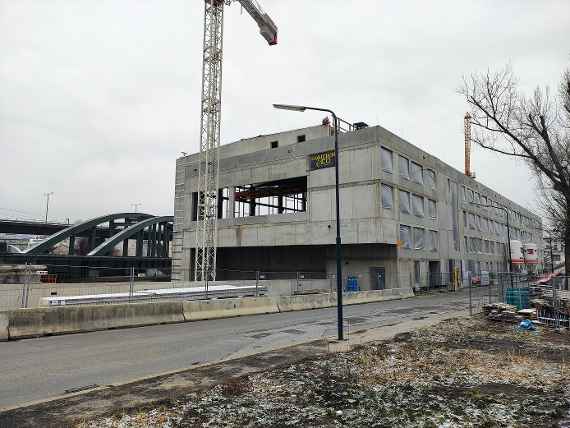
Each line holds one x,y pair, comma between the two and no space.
210,121
467,132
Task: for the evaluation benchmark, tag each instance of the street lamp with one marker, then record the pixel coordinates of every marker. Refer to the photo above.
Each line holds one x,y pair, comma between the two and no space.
508,234
47,195
338,240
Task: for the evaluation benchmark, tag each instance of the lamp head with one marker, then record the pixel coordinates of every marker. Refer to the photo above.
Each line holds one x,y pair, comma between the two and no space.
289,107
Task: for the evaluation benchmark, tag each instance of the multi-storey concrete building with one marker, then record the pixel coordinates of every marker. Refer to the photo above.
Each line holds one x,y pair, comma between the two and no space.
404,212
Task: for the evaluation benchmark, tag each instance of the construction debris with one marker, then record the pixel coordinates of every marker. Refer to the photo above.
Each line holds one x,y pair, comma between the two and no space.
502,312
458,373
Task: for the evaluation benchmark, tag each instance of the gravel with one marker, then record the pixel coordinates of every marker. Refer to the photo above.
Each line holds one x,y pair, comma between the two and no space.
459,373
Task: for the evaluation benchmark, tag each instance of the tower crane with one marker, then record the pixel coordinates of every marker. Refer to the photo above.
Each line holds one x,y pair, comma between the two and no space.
467,132
210,120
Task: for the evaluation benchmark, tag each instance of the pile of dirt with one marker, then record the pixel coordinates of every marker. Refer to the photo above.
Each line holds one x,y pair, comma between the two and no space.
458,373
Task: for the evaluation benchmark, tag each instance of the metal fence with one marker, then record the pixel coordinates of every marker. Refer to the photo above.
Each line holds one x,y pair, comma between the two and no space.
26,286
553,307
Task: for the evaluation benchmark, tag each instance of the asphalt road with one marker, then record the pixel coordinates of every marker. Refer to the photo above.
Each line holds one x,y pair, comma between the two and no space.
38,369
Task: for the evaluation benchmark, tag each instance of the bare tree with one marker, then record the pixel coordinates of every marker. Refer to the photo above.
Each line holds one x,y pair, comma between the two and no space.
535,129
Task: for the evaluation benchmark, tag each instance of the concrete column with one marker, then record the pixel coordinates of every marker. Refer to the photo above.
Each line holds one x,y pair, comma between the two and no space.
231,202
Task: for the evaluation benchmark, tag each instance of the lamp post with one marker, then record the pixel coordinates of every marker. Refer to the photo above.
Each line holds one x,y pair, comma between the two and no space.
338,239
47,195
508,234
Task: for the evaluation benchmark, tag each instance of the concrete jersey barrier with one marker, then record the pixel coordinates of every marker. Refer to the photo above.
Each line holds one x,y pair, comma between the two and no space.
4,320
22,323
72,319
195,310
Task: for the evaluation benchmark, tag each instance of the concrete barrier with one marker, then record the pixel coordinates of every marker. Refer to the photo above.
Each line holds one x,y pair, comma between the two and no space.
4,326
361,297
319,301
73,319
305,302
22,323
195,310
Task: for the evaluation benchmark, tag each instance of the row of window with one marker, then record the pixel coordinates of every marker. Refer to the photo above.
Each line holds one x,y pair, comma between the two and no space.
482,246
407,169
418,238
475,222
515,217
481,224
410,203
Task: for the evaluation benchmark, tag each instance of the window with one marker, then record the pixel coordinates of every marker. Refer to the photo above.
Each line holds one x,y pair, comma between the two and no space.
478,222
404,166
274,144
386,159
417,173
418,205
469,195
483,200
419,238
434,238
406,236
465,220
466,244
429,177
387,197
464,193
475,245
477,200
432,208
472,221
404,202
301,138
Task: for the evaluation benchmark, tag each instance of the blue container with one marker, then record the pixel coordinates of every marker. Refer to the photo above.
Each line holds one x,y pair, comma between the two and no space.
517,297
352,283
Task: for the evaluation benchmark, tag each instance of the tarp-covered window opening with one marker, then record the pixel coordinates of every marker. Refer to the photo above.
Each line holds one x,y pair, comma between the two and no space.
418,205
387,197
419,238
404,202
387,160
434,240
406,236
472,221
429,178
404,167
417,173
432,208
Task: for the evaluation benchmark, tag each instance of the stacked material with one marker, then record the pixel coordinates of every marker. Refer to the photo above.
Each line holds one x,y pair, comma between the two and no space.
501,312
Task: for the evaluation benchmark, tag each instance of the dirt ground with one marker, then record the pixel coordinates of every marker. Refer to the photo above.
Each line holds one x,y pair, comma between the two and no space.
463,372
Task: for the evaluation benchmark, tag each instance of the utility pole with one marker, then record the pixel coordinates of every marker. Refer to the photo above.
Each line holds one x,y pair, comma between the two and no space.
47,195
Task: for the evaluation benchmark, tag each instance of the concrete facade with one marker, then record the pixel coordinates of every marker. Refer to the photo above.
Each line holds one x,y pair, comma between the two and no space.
404,212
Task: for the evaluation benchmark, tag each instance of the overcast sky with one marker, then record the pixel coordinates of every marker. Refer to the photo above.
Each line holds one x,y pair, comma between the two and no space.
99,97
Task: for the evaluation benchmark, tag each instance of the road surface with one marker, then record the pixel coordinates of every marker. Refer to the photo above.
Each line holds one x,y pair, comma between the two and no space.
42,368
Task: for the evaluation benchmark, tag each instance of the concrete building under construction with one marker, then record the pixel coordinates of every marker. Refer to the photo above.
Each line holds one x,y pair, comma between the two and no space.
405,214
